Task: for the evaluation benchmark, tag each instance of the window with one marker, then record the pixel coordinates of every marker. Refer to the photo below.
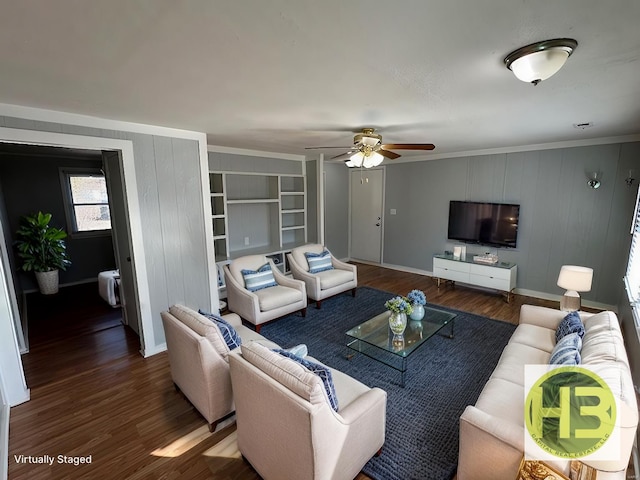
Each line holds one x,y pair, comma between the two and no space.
632,277
86,201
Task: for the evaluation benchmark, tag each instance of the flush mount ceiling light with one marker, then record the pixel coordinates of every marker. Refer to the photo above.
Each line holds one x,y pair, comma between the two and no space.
538,61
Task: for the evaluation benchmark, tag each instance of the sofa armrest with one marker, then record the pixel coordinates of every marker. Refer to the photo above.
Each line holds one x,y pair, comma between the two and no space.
374,399
232,319
243,302
311,281
285,281
490,448
344,266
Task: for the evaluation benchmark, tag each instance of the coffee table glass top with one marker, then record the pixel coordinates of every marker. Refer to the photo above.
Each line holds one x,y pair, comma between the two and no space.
376,332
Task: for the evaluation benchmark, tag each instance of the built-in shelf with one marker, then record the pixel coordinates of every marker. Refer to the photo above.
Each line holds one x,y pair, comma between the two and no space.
257,213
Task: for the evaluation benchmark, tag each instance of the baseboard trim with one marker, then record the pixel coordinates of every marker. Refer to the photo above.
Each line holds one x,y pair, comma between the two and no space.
150,351
519,291
69,284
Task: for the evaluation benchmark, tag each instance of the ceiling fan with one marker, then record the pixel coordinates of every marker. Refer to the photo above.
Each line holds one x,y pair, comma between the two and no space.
369,151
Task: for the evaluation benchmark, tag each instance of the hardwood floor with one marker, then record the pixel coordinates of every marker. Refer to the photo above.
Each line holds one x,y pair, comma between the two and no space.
92,394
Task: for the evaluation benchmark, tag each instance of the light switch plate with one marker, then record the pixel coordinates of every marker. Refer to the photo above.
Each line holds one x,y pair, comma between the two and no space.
392,211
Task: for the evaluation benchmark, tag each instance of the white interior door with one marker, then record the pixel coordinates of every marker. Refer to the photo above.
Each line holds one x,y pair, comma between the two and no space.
366,189
121,238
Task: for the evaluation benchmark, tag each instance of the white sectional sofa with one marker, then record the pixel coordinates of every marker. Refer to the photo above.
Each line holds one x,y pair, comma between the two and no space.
492,431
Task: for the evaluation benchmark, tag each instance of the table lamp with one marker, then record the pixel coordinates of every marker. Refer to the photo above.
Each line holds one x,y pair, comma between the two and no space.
574,279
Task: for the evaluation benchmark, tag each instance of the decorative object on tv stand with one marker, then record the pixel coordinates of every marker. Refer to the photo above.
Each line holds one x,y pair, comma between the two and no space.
459,252
574,279
418,300
399,307
539,61
43,250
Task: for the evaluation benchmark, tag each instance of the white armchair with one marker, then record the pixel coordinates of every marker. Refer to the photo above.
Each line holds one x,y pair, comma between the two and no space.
321,285
261,306
286,428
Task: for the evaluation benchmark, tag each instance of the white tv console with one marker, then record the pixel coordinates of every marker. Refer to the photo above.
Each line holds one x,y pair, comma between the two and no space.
499,276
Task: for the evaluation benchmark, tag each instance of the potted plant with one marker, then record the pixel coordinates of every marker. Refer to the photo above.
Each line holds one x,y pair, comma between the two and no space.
399,307
43,250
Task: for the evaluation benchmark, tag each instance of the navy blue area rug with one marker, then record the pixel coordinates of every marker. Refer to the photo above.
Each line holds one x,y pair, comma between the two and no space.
443,377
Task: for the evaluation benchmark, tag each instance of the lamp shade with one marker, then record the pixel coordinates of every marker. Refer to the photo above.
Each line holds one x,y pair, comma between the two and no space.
575,278
539,65
539,61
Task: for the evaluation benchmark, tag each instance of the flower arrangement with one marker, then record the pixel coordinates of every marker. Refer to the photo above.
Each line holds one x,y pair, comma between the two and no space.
399,305
417,297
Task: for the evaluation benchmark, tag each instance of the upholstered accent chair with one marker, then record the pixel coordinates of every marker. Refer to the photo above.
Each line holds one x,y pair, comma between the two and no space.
262,305
198,359
326,283
286,428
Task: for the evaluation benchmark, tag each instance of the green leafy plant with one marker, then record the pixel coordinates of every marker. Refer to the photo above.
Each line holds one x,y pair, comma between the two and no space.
41,246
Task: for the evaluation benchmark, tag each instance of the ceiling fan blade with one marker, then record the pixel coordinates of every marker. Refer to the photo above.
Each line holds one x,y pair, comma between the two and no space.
409,146
316,148
342,156
388,154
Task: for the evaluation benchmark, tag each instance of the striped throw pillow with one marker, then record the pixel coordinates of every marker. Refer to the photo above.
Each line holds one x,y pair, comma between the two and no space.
321,371
567,350
570,324
319,262
229,334
259,279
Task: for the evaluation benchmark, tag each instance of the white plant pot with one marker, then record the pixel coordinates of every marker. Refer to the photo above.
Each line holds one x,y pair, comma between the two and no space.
48,282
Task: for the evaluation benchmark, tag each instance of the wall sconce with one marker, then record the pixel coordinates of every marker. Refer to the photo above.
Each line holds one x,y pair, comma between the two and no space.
629,180
593,179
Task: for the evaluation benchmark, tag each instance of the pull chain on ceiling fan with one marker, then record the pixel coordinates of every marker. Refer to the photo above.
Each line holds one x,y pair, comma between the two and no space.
368,150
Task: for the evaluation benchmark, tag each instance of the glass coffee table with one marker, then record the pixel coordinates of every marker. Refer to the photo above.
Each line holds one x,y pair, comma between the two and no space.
374,338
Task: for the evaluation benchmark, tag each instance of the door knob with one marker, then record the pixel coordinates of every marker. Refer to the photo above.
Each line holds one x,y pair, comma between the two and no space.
378,224
128,259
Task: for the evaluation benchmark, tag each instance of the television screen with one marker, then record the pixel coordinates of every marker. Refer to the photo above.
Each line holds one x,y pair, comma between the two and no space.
494,224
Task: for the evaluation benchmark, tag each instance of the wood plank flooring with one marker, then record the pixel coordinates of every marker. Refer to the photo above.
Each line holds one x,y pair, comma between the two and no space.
93,394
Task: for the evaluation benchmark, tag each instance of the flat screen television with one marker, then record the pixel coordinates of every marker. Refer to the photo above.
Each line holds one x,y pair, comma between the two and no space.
494,224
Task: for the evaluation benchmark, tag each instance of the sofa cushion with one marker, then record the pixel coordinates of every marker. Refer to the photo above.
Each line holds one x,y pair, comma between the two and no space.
567,350
570,324
321,371
319,262
255,280
534,336
290,374
278,296
202,326
333,278
603,340
513,359
502,399
229,334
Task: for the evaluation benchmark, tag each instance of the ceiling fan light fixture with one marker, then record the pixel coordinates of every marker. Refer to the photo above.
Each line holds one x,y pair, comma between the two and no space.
539,61
372,160
355,160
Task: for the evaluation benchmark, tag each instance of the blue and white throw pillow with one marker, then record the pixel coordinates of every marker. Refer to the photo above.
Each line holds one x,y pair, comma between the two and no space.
229,334
319,262
567,350
323,372
570,324
258,279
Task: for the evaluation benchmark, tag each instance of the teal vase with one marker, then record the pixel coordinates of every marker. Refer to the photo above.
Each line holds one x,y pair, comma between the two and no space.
418,312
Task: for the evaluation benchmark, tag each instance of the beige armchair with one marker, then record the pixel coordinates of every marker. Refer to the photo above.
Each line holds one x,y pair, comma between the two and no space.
321,285
198,359
286,428
266,304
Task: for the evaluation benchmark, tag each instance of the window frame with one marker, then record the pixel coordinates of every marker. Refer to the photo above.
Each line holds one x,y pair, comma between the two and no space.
69,211
632,273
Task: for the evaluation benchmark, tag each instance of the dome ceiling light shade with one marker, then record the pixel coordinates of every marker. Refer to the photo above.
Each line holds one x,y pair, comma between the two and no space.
539,61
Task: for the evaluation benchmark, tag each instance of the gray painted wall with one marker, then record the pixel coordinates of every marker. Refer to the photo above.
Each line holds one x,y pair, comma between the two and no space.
171,211
562,221
31,184
336,200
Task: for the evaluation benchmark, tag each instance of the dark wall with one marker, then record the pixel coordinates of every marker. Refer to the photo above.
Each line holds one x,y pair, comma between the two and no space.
31,183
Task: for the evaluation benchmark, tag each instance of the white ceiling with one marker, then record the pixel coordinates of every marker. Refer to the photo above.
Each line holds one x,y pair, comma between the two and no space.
281,75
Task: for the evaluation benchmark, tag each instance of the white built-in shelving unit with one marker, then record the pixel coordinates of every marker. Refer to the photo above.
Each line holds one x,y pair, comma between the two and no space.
257,213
